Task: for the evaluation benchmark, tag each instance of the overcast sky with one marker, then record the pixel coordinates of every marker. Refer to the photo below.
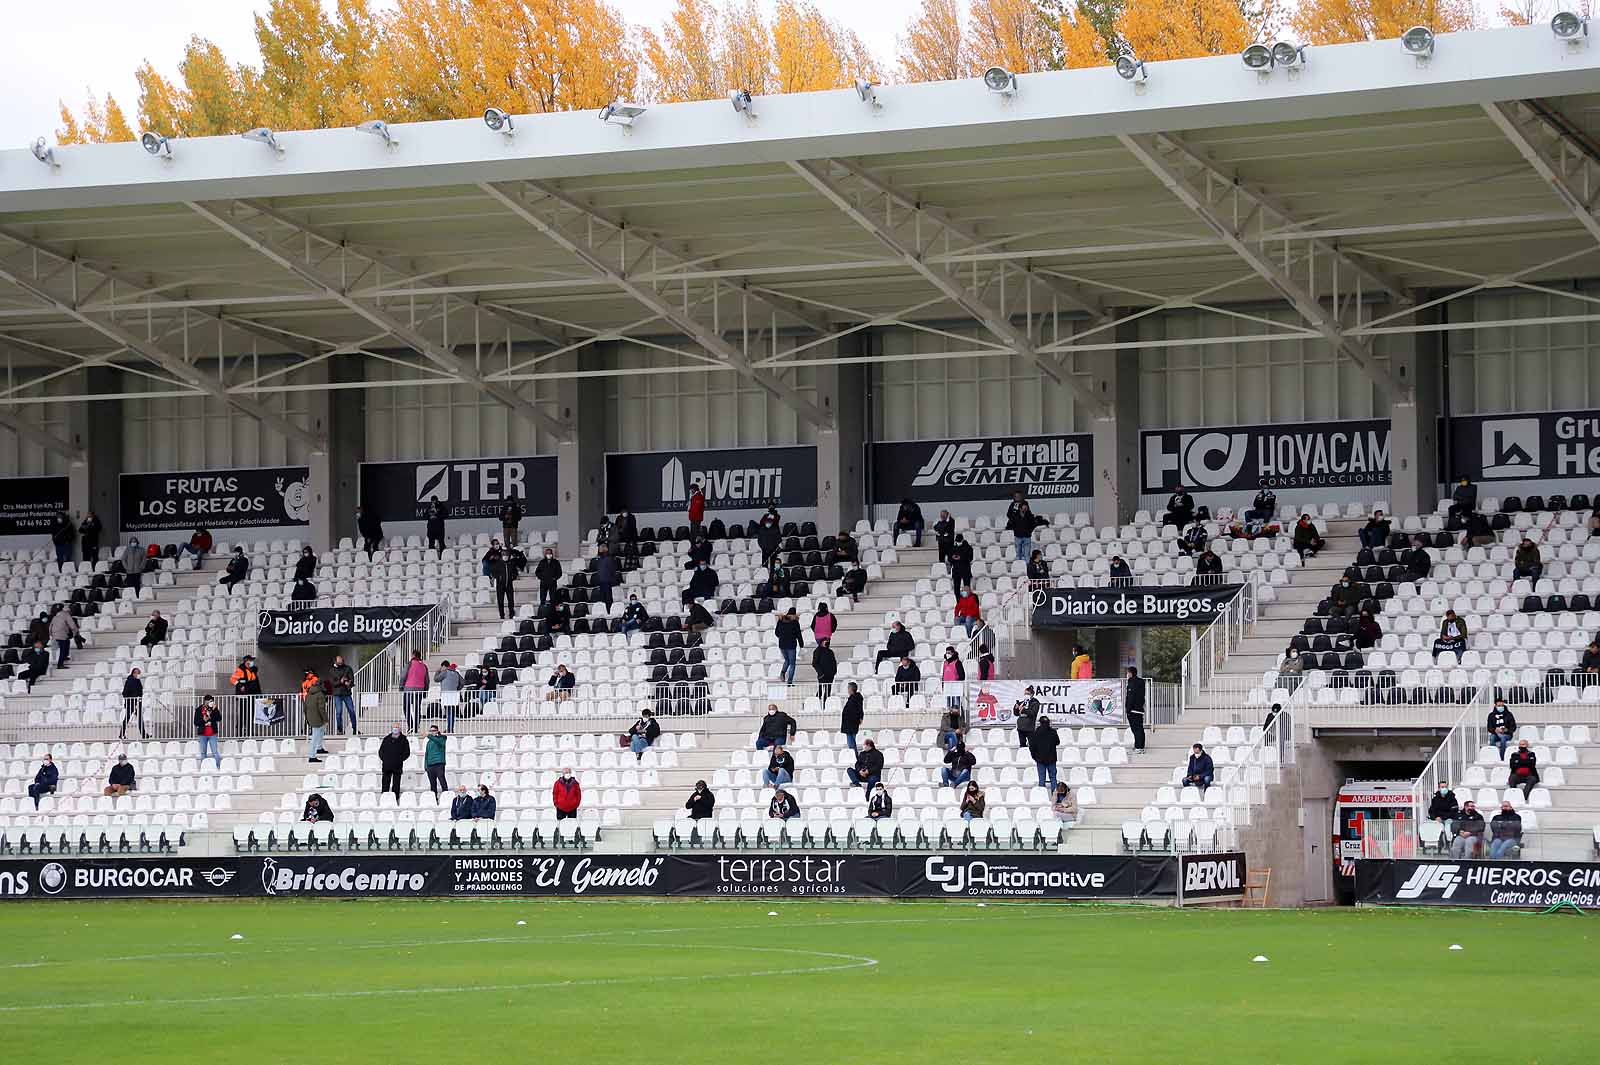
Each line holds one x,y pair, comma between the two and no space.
49,57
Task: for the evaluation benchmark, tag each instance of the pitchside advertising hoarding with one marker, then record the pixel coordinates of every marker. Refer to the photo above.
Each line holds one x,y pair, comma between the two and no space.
322,626
1071,608
266,497
1246,458
983,468
993,876
1064,702
29,504
1507,884
467,489
1211,877
754,478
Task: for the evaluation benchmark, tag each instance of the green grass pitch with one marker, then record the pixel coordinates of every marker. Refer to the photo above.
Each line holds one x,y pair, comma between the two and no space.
712,982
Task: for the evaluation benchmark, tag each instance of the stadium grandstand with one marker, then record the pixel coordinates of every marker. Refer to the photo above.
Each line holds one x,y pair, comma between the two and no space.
450,485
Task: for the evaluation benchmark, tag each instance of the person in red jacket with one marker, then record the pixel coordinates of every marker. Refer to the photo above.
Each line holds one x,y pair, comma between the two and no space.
697,508
567,794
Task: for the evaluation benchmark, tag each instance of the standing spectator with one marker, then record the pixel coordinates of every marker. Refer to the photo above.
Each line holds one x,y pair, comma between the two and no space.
1064,806
133,562
121,780
1527,563
306,565
1443,808
823,623
1038,569
393,754
868,769
703,584
952,671
780,767
133,704
972,802
826,666
63,628
789,639
1022,523
944,536
1133,705
62,536
561,684
200,545
1207,569
461,805
1463,501
245,679
607,575
776,728
1044,744
1307,541
371,530
237,570
155,631
89,530
1118,573
853,714
958,765
436,513
782,807
343,680
433,762
879,805
909,520
907,679
1264,507
1524,767
413,688
696,509
448,677
510,518
702,802
44,781
1180,508
548,574
1026,715
900,644
36,663
986,665
1082,668
1468,841
643,733
207,726
1505,833
769,532
961,562
1375,533
1452,636
502,569
968,612
483,807
634,615
566,794
314,704
316,810
1200,770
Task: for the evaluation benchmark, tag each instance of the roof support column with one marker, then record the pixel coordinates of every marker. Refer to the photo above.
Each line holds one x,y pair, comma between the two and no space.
347,436
841,454
581,457
94,480
1114,379
1414,418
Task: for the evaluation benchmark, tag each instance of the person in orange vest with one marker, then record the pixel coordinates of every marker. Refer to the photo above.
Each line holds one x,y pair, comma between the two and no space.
311,681
1082,669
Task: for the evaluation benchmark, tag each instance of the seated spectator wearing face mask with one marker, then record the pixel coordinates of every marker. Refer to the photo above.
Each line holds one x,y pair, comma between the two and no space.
701,802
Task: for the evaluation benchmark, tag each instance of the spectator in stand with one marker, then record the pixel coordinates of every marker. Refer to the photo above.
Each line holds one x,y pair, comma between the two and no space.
854,583
944,536
1527,563
634,615
825,664
951,731
908,521
1208,569
961,562
899,644
777,728
703,584
1038,568
1524,767
558,618
510,518
237,570
952,671
769,532
448,678
245,679
968,613
986,669
1200,770
972,801
314,704
483,807
790,640
702,802
63,629
133,704
1368,632
625,530
1468,841
1044,744
306,565
1192,541
1307,541
208,726
1064,806
39,628
699,619
1264,507
852,715
1022,523
503,570
1290,670
782,807
121,780
433,762
200,545
303,592
1345,597
36,663
393,753
1018,500
371,530
1452,636
317,810
133,561
879,805
1594,521
1026,714
435,515
413,689
643,733
1478,532
566,794
1133,691
343,681
1463,501
1443,808
461,805
823,623
548,574
1375,533
907,679
696,509
1505,833
607,575
62,535
561,684
868,770
1119,575
1082,667
1591,659
1417,561
1180,508
45,780
776,586
89,530
846,552
1501,725
958,765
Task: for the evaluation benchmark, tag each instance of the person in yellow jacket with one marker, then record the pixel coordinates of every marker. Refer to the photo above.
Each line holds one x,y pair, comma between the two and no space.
1082,669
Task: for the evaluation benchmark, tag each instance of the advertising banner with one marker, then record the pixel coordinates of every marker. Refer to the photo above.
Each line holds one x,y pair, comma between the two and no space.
752,478
322,626
29,504
109,878
1508,884
1211,877
985,468
1064,702
1071,608
1245,458
1555,445
469,488
218,499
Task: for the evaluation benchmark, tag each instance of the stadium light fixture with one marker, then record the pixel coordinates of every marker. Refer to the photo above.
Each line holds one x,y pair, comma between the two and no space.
1257,57
1131,68
742,102
868,93
44,153
622,114
1000,80
1418,41
156,144
499,121
263,135
1288,54
1569,27
379,128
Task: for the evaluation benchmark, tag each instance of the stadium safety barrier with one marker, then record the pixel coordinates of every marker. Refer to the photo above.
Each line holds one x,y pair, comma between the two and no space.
1211,648
386,670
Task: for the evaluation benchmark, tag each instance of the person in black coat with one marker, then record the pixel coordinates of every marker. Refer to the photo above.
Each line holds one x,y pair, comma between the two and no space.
558,618
868,769
1264,507
35,663
371,530
703,584
944,535
62,535
854,583
1044,744
1524,769
122,780
1463,501
45,781
700,551
776,729
548,574
306,565
961,562
1119,575
769,532
1208,568
634,615
1133,705
1022,523
909,520
1200,770
907,678
958,765
789,637
1478,531
89,530
879,805
237,570
502,570
392,755
1444,808
436,513
852,715
626,527
845,550
985,662
698,619
317,810
1180,508
826,666
643,733
510,518
702,802
1417,561
607,574
133,704
900,644
461,805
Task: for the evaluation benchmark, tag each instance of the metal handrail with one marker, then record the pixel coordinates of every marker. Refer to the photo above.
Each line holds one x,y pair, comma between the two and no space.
1211,648
386,670
1457,751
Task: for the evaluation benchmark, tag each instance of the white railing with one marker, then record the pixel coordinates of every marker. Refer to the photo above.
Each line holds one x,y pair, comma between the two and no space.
1269,753
1457,751
386,670
1212,647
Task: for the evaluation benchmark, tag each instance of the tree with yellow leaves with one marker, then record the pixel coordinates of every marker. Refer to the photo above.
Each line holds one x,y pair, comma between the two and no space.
1339,21
930,49
811,53
1180,29
684,60
100,123
1019,35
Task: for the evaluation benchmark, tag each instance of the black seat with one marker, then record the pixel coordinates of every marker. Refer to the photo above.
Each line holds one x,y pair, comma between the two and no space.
1532,604
1510,504
1556,502
1533,504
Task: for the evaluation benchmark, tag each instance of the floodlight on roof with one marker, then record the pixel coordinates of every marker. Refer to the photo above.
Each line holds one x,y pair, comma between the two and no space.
1131,68
622,114
742,102
263,135
868,93
1257,57
43,152
156,144
1000,80
499,121
1288,54
1418,41
1569,27
379,128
